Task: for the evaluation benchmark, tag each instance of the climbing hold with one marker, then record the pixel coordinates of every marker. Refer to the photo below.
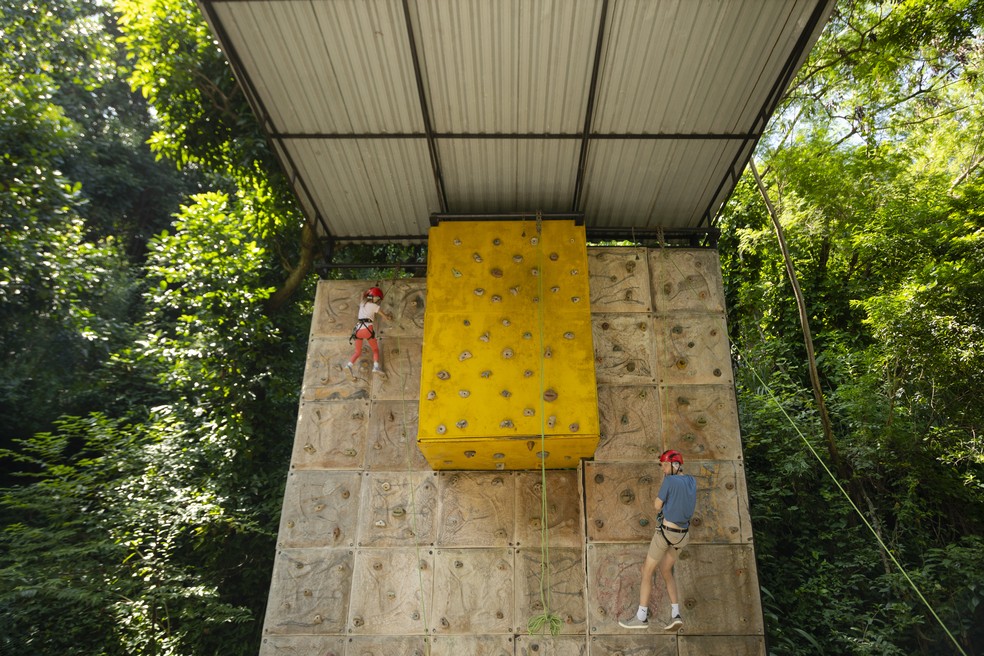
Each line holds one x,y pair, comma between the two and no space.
457,242
555,289
486,374
527,335
464,394
534,241
506,323
527,373
464,356
496,298
554,257
498,456
505,394
461,423
479,291
514,291
517,258
506,423
568,335
528,412
443,375
477,257
496,241
534,272
496,273
575,299
431,395
441,429
507,353
575,427
385,486
484,337
574,272
469,454
542,454
551,420
380,523
550,396
547,353
466,322
455,272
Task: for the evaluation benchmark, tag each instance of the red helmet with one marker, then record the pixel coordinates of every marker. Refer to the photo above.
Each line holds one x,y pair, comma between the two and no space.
375,291
671,456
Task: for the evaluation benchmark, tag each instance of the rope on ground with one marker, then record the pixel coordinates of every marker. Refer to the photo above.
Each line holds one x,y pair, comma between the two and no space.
857,510
546,620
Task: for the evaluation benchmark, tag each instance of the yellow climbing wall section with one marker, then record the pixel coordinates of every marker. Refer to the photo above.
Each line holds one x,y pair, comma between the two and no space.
507,352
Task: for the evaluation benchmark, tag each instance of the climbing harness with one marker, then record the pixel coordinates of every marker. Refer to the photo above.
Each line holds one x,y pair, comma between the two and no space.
360,324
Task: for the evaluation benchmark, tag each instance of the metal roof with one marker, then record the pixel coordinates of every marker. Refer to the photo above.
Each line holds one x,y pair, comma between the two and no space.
637,114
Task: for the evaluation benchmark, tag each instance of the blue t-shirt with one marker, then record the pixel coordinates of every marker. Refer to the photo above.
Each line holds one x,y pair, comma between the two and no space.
679,495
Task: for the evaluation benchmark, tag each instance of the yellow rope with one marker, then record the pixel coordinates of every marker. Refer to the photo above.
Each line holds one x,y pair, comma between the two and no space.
546,619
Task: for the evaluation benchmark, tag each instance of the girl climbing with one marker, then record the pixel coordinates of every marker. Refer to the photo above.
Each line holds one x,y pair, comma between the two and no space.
365,329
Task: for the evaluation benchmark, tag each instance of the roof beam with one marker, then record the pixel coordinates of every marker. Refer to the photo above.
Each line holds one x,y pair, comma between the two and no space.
425,111
589,110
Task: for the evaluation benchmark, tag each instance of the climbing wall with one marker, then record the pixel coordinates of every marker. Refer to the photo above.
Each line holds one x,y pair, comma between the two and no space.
379,553
507,347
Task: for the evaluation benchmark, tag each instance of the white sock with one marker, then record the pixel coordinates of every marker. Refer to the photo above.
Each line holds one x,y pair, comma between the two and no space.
674,610
642,613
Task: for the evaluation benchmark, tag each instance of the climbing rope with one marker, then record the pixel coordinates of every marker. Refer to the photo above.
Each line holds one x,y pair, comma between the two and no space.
546,620
857,510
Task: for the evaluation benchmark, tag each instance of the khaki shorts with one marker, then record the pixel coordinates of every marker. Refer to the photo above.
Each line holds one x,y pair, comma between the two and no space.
658,545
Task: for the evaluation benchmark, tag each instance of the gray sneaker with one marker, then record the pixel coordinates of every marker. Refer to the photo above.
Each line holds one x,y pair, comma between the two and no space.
675,624
634,623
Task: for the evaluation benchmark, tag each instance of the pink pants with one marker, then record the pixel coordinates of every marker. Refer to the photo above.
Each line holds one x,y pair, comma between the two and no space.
364,333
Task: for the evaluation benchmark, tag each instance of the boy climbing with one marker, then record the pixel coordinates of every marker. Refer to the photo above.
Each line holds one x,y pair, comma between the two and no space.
674,505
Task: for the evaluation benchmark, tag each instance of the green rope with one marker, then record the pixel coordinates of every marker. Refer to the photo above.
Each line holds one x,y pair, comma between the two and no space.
546,619
857,510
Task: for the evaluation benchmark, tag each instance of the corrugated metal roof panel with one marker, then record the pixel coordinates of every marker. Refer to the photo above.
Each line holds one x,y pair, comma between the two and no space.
384,111
691,66
328,67
511,66
654,183
500,175
369,187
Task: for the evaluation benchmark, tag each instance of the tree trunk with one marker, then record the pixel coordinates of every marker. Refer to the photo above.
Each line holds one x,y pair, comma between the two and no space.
309,248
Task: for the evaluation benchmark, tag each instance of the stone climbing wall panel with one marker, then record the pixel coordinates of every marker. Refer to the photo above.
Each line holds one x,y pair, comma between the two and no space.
508,356
381,552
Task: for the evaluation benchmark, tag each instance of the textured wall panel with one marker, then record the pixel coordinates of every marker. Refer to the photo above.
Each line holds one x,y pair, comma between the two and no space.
565,588
401,360
693,349
719,589
380,645
619,280
615,571
395,514
302,646
618,499
649,644
394,586
330,435
310,591
717,517
623,349
630,424
703,420
321,508
324,378
564,512
479,645
392,440
477,509
686,281
537,645
473,591
508,343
